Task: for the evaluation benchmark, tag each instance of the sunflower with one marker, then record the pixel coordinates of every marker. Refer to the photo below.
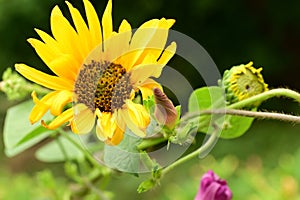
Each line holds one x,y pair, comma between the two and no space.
242,82
99,70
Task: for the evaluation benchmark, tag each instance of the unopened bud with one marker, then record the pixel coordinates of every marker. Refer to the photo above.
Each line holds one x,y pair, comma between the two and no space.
242,82
12,85
165,112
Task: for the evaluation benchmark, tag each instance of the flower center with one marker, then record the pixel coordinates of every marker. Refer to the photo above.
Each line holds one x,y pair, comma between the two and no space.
103,85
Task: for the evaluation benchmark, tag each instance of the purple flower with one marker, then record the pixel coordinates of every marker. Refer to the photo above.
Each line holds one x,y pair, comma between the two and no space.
213,188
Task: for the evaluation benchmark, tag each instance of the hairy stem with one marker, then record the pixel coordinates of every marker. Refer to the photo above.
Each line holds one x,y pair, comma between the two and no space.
246,113
261,115
279,92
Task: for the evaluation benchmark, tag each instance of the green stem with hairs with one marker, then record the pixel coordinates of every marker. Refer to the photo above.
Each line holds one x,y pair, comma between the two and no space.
232,110
279,92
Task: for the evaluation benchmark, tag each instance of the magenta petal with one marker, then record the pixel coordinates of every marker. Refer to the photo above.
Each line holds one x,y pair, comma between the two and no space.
213,188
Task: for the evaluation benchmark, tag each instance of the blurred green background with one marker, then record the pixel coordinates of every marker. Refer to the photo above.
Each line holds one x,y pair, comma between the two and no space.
262,164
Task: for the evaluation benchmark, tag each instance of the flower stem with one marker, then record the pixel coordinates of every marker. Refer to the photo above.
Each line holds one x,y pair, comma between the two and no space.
210,142
279,92
231,109
262,115
246,113
151,142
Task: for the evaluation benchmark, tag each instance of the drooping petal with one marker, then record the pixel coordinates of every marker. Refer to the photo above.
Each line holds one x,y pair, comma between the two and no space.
119,132
108,129
41,106
58,103
83,120
116,138
51,82
64,117
107,24
93,22
136,118
106,125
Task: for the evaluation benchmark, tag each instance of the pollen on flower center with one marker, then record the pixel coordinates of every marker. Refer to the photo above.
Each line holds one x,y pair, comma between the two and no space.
102,85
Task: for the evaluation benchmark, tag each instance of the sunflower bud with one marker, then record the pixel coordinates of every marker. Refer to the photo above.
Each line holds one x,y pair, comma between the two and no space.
242,82
165,112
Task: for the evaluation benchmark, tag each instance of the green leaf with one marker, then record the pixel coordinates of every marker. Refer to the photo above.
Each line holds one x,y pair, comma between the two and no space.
235,126
125,156
53,152
207,98
18,133
35,133
213,98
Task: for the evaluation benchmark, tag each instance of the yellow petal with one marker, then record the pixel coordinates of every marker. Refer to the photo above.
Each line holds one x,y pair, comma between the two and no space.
125,27
140,40
44,52
167,54
50,42
107,24
82,29
116,46
117,137
51,82
65,66
66,116
65,35
136,118
157,43
106,125
119,132
140,73
58,103
84,119
93,22
144,34
41,106
147,88
62,65
118,43
150,38
107,129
